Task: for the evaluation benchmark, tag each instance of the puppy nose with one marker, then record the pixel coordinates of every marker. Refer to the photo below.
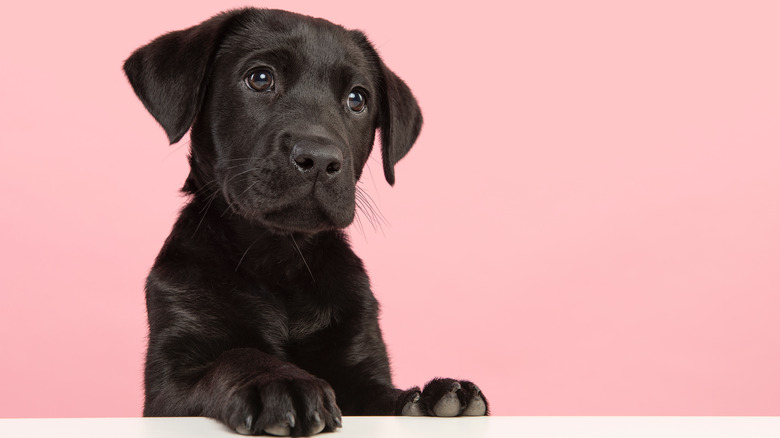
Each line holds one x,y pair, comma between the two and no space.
323,159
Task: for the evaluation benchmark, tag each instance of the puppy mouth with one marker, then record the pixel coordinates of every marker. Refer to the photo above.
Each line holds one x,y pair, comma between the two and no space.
305,220
307,214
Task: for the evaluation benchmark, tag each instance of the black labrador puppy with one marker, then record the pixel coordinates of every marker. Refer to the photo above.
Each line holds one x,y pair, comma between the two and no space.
260,314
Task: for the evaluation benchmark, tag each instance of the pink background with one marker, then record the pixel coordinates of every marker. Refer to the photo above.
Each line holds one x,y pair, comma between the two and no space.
588,225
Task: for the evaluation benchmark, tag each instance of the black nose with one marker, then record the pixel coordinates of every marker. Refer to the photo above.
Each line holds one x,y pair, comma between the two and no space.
321,159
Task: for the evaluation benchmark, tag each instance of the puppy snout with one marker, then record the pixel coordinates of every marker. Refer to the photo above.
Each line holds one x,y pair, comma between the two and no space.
317,159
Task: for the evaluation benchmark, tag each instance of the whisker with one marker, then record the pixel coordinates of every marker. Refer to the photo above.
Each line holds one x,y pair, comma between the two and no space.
247,251
359,223
176,149
362,207
229,208
230,201
240,159
205,187
238,174
371,206
370,200
247,189
377,211
234,166
302,258
371,209
204,212
371,174
359,204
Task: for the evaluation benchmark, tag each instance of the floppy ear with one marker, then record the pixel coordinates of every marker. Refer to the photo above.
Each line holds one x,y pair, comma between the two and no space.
400,120
170,74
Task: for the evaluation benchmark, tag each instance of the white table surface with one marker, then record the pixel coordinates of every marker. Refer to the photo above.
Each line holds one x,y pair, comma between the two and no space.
386,427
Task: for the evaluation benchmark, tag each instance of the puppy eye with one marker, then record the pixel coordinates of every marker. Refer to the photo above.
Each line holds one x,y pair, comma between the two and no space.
356,101
260,80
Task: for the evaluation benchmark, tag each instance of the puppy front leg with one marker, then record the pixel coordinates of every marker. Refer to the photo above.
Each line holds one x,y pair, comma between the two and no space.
443,398
253,392
439,398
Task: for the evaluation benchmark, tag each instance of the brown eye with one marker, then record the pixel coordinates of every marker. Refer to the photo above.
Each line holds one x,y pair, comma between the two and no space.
260,80
356,101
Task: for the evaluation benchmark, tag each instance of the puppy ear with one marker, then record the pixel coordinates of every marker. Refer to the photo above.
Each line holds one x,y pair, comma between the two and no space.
400,120
170,74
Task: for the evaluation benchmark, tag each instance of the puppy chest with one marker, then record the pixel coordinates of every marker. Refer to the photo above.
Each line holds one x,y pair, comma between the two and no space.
289,320
306,321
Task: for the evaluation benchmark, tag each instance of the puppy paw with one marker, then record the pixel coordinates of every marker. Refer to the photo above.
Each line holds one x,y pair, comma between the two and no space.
410,405
477,403
446,398
298,407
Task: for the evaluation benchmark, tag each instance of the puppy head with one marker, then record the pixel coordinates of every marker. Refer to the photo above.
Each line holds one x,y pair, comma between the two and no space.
283,110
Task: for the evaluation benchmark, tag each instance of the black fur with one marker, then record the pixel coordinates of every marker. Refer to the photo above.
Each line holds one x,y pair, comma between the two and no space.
260,314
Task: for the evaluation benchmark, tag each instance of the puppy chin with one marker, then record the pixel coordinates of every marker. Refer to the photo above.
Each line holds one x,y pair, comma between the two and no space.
308,218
